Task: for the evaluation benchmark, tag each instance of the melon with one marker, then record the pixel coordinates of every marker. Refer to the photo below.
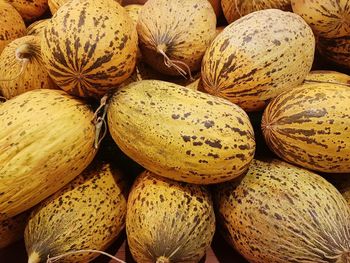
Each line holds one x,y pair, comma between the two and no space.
12,229
37,28
30,9
335,50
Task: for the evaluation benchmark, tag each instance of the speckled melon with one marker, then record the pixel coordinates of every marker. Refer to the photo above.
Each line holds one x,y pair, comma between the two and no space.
234,9
46,139
89,47
336,50
309,126
328,76
279,213
12,229
179,133
168,221
88,213
54,5
30,9
133,11
37,28
21,64
176,33
257,57
12,24
330,19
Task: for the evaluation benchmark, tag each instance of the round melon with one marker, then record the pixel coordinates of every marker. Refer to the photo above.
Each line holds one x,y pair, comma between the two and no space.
235,9
22,68
329,19
30,9
88,213
257,57
308,126
89,47
37,28
12,24
281,213
173,35
335,50
168,221
179,133
46,140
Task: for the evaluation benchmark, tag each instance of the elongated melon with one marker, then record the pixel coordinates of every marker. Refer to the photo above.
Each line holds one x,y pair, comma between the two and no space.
89,47
46,139
12,229
309,126
88,213
22,68
168,221
257,57
330,19
180,133
281,213
12,24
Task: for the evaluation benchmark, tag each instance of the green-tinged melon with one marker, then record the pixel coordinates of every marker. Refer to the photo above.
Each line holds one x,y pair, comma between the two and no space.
235,9
168,221
173,35
179,133
280,213
88,213
46,139
309,126
257,57
22,68
89,47
330,19
12,24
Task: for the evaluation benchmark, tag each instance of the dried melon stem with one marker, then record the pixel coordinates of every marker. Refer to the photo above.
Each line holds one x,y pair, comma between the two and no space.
57,258
163,259
161,49
23,53
100,121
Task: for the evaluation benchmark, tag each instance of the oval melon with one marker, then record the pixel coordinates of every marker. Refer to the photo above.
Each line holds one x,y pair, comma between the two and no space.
88,213
12,24
257,57
89,47
168,221
22,68
308,126
173,42
46,139
329,19
30,9
180,133
280,213
328,76
234,9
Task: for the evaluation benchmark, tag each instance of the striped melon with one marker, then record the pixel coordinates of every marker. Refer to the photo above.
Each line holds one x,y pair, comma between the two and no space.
22,68
37,28
168,221
46,139
329,19
179,133
88,213
89,47
280,213
12,24
30,9
12,229
234,9
309,126
173,35
257,57
336,50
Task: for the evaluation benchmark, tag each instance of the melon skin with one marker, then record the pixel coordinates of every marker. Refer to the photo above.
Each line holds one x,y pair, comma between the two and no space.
30,10
308,126
327,76
37,28
168,221
280,213
335,50
47,139
258,57
89,47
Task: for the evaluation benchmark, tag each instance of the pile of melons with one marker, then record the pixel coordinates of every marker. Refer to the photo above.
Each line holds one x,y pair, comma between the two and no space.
175,119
